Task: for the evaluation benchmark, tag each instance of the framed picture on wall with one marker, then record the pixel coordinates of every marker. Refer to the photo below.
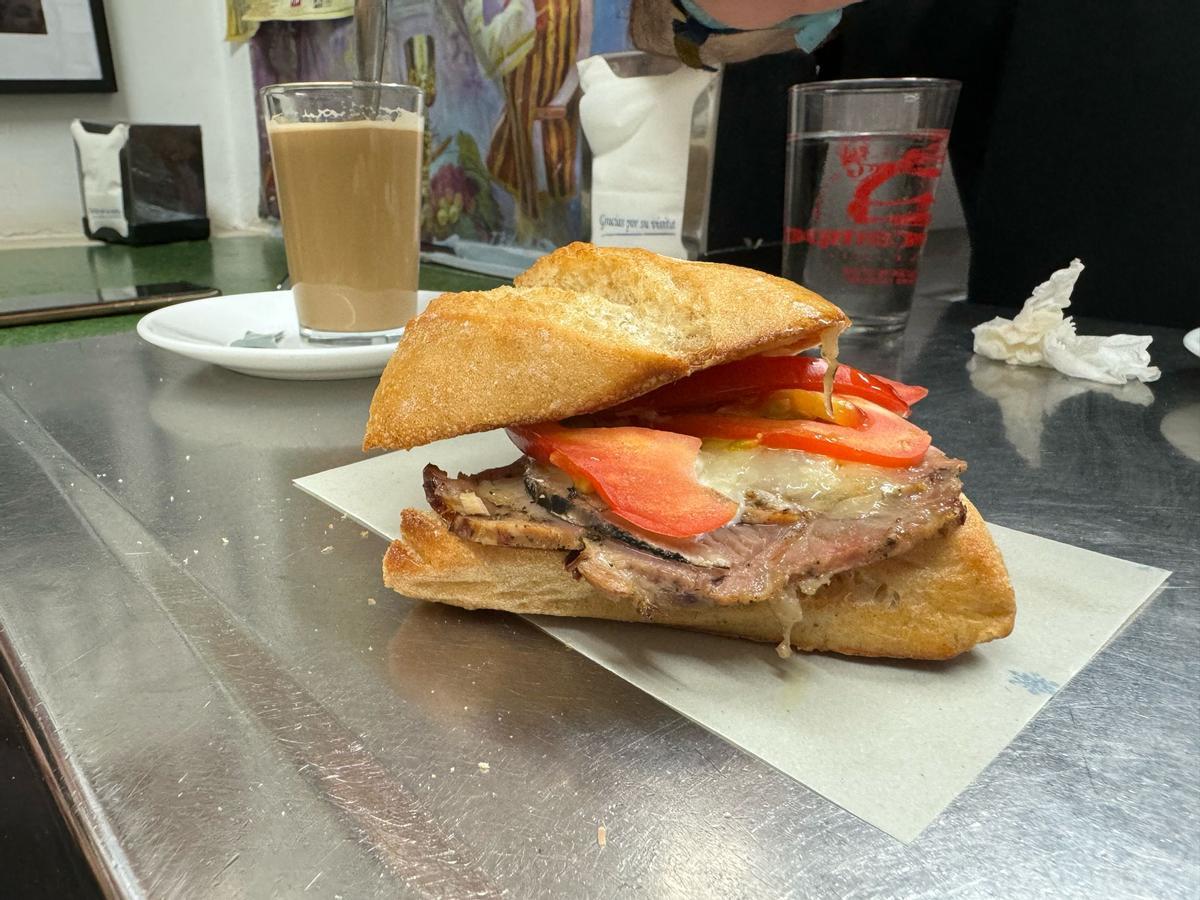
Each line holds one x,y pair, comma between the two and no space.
54,46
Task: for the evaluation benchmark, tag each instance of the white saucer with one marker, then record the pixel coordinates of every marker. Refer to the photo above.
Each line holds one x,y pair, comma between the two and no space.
205,329
1191,340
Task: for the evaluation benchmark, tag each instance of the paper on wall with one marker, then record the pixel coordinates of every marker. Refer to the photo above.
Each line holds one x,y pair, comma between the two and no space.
639,132
891,742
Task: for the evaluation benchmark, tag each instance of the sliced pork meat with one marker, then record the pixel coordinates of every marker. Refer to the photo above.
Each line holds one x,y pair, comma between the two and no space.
808,553
856,516
553,490
493,508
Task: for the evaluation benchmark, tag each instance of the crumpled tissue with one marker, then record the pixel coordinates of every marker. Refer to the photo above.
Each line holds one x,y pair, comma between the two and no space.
1041,335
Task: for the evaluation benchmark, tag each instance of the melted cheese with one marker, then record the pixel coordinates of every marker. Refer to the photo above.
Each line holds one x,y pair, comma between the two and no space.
829,352
794,479
789,608
790,613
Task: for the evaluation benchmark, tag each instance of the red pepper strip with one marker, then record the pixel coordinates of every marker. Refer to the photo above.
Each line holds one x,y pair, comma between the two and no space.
761,374
884,438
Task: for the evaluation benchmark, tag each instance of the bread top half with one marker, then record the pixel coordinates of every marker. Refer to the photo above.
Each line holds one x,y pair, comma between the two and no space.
585,328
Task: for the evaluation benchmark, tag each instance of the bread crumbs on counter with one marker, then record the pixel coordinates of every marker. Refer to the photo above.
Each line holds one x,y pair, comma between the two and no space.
327,549
370,601
225,541
601,836
484,767
363,533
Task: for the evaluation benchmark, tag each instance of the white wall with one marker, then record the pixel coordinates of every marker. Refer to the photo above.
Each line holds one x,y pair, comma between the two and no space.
173,67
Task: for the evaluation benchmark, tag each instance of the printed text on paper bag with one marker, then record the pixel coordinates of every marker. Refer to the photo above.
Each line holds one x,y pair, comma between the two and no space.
617,226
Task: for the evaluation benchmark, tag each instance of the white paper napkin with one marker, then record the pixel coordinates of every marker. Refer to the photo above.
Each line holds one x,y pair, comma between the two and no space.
100,168
1041,334
892,742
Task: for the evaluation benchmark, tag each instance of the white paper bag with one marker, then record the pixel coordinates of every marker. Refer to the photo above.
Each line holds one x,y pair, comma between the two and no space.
100,170
639,132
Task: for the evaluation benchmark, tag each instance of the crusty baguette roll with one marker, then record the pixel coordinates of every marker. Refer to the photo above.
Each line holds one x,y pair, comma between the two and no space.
933,602
584,329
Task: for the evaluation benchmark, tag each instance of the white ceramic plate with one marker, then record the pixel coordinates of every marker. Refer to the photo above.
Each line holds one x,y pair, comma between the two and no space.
1191,340
205,329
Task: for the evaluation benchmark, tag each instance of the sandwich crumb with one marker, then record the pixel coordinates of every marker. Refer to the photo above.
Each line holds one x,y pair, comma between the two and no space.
484,767
362,534
327,549
225,541
602,836
370,601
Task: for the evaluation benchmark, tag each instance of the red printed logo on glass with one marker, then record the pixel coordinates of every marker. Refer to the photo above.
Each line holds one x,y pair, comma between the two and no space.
917,162
889,208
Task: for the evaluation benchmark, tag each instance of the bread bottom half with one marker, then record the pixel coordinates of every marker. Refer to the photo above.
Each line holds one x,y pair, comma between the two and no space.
939,599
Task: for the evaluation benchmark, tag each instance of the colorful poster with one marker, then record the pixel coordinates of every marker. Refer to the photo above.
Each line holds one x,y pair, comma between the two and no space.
502,151
242,17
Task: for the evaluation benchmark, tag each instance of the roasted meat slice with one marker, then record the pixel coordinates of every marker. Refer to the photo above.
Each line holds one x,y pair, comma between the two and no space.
528,504
493,508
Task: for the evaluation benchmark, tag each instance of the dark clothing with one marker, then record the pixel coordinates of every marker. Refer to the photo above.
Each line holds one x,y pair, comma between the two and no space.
1077,135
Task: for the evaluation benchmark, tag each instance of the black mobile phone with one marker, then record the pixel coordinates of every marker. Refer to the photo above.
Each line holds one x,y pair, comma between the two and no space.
103,302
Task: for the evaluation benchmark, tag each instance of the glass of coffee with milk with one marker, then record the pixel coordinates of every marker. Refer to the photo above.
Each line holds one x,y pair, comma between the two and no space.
347,160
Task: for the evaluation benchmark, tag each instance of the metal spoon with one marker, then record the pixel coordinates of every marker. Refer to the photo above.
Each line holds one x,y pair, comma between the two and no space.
370,28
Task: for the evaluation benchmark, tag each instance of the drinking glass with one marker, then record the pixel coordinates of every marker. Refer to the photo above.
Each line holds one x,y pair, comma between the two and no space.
347,161
863,161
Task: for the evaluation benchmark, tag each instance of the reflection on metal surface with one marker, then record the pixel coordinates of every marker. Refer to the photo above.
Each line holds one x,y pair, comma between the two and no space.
1181,428
879,352
1028,397
385,815
188,697
212,407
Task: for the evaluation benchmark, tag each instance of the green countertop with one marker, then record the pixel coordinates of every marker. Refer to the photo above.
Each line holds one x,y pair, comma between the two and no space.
236,265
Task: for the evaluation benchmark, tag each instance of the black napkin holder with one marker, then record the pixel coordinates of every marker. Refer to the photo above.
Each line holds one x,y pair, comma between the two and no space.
162,185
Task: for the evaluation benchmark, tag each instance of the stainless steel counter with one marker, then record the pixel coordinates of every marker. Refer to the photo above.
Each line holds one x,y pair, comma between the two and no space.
232,705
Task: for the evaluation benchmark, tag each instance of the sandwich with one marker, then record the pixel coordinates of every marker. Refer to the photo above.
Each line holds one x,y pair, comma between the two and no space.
681,460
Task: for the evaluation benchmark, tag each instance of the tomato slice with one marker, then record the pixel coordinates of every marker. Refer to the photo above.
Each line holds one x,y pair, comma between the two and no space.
884,438
909,393
761,374
647,477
